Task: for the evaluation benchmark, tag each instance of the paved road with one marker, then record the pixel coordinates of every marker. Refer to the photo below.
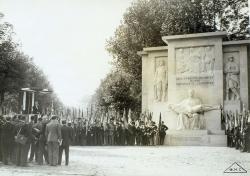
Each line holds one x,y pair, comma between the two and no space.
140,161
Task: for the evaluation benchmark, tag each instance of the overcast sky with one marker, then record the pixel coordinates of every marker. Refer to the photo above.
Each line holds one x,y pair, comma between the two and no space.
67,40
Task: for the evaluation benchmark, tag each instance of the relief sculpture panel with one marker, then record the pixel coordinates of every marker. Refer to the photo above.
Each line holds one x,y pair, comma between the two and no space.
195,65
232,76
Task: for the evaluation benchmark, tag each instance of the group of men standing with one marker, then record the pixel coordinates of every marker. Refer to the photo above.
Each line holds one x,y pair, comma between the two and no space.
118,133
22,141
237,129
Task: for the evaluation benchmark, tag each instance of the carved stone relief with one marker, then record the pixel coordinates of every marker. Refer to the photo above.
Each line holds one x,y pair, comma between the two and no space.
160,79
232,76
195,65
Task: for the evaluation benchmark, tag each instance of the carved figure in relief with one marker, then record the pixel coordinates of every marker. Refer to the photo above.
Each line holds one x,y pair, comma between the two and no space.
160,81
181,66
195,60
190,112
208,60
232,72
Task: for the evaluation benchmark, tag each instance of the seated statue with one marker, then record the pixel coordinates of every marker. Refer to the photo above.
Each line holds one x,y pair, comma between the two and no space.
190,111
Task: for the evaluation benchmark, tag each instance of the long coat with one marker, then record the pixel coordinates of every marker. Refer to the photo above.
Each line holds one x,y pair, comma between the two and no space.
53,131
67,135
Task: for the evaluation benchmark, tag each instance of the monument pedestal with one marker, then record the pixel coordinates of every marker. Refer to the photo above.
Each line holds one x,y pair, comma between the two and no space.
195,138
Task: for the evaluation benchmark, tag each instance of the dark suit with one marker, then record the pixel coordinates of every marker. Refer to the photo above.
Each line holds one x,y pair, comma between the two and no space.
7,141
22,150
67,137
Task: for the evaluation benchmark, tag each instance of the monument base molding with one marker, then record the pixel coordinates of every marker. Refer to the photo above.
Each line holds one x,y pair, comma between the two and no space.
195,138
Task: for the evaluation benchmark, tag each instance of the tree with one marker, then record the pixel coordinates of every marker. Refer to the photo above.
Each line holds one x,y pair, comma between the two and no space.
235,19
146,21
115,92
17,70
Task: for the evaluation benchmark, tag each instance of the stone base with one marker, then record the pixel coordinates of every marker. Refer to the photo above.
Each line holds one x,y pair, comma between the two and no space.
195,138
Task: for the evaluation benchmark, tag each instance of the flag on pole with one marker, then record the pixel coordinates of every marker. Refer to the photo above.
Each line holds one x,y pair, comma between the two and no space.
159,128
125,119
129,116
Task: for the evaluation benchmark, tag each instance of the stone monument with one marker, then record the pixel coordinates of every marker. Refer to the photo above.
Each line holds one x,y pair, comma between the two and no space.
214,71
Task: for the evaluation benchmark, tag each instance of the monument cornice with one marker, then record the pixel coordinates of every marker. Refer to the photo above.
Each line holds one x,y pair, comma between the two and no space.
145,51
166,39
236,42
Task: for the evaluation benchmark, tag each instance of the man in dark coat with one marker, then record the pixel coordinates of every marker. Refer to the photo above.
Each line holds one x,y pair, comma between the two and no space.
67,137
247,137
41,141
132,133
2,122
23,149
7,141
162,132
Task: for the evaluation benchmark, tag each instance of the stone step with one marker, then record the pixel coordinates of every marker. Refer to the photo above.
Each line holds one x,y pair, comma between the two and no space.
188,132
194,138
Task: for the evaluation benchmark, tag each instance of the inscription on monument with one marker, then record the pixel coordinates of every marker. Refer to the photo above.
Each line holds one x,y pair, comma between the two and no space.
195,66
194,80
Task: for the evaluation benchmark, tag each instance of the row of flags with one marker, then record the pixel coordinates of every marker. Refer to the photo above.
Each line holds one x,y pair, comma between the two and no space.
233,119
92,116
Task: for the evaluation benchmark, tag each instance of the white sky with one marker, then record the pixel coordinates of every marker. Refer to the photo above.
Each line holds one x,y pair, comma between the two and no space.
67,40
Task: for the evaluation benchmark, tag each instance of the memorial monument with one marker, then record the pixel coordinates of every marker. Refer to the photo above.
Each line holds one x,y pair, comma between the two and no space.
191,80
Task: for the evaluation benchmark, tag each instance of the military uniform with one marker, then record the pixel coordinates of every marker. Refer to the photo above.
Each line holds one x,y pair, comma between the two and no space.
162,133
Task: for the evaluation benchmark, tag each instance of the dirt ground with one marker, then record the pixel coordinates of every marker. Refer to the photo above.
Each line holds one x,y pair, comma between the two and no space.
140,161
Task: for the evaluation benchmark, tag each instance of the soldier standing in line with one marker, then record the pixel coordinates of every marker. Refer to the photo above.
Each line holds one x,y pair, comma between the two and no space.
132,133
247,137
88,135
143,134
237,137
119,134
111,132
162,132
106,133
101,134
116,134
138,134
123,134
95,134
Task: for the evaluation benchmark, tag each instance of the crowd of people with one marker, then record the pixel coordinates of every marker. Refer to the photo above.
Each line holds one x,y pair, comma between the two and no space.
42,139
118,133
237,129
